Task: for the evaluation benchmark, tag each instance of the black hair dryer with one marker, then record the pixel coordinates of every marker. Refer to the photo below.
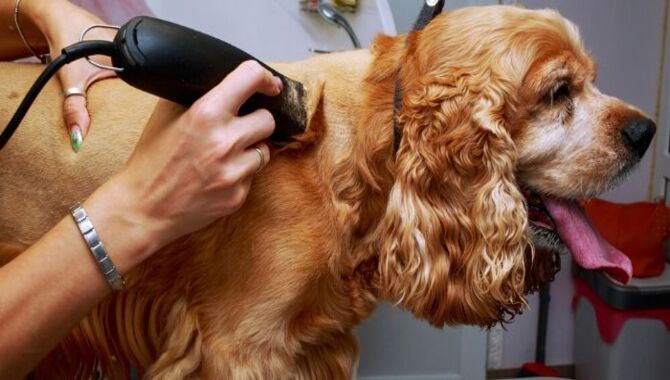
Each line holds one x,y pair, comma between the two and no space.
178,64
181,64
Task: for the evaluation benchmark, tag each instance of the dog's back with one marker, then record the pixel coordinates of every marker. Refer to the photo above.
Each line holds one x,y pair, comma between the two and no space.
40,174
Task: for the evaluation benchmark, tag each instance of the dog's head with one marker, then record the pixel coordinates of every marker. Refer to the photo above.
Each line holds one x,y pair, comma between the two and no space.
503,128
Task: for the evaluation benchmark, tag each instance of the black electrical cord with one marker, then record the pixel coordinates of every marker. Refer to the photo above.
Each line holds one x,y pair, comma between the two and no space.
68,54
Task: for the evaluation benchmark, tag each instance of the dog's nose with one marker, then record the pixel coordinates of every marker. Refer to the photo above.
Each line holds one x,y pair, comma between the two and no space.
638,134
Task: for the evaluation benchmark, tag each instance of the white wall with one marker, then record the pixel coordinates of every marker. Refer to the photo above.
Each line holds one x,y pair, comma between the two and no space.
275,30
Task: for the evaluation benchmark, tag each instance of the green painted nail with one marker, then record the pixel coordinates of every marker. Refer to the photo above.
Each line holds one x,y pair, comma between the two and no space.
76,139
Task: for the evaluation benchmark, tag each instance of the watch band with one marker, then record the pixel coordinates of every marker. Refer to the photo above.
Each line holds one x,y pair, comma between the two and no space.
89,234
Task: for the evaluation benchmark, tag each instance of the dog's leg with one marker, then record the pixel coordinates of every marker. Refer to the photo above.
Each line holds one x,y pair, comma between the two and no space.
182,351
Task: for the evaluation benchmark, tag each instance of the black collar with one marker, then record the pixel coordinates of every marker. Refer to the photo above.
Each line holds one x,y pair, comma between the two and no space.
430,9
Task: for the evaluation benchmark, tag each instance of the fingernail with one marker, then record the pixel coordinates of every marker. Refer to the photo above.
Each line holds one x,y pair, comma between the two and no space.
280,84
76,138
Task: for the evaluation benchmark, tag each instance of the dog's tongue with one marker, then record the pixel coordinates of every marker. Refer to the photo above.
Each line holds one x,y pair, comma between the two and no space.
589,249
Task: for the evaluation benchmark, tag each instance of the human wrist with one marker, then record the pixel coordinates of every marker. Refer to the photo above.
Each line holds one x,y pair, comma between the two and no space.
128,236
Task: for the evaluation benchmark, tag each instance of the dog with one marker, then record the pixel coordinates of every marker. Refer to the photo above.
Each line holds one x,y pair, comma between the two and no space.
502,129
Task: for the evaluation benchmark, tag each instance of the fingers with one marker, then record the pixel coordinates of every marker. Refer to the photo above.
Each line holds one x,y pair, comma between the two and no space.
262,155
251,128
247,162
78,75
247,79
77,119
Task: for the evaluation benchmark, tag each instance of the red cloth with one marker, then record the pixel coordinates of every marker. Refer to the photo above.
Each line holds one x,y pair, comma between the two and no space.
636,229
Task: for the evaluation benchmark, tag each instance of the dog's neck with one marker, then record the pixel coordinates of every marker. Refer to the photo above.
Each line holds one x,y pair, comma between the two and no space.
354,105
370,161
356,157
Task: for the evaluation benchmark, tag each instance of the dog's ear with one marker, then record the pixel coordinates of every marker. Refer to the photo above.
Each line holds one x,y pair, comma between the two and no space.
314,94
452,242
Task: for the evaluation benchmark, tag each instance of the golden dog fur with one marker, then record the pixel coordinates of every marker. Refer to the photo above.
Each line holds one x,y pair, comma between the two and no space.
337,222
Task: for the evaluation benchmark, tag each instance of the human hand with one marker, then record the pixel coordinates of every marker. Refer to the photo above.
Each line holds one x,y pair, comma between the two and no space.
61,23
193,166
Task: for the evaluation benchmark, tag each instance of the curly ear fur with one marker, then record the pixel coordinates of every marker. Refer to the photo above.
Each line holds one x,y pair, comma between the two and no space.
453,238
445,223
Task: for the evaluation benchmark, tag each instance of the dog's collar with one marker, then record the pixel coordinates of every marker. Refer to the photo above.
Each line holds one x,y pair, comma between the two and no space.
430,9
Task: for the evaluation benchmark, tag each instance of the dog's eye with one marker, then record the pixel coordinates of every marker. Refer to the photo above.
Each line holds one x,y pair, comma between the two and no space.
558,93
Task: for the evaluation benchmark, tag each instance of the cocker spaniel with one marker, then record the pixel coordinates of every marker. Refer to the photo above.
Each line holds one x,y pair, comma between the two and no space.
502,129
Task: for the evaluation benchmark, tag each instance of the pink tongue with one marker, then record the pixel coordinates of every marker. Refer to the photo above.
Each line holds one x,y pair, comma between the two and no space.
589,249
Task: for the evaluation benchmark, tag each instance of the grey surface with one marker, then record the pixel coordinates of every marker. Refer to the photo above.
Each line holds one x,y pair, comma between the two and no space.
639,352
405,11
662,172
393,342
394,345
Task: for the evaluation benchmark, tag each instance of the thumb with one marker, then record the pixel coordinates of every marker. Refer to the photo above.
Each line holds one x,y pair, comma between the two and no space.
78,76
77,119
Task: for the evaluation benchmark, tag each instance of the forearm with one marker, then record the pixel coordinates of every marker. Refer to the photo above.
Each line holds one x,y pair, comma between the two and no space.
50,287
33,24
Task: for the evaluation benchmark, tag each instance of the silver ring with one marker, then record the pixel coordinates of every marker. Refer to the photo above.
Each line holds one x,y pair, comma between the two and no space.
72,91
261,164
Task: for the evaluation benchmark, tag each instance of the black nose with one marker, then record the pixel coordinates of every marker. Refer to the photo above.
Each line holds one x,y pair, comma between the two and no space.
638,134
